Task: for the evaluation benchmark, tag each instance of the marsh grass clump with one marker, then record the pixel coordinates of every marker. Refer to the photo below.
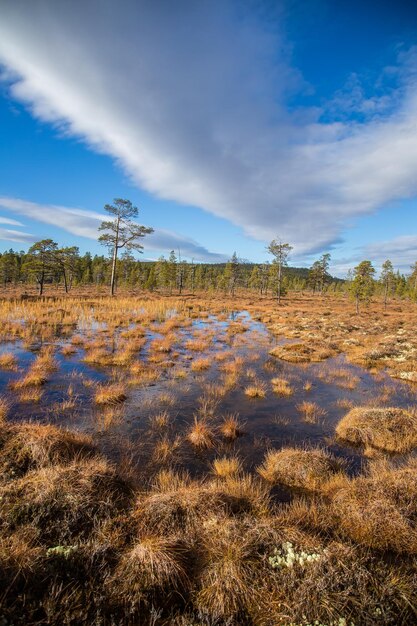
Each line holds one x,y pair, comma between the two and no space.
201,434
231,427
256,390
200,365
29,446
227,466
160,421
68,349
232,562
165,449
308,385
301,468
64,502
282,387
154,567
110,393
8,361
390,429
379,509
4,408
310,411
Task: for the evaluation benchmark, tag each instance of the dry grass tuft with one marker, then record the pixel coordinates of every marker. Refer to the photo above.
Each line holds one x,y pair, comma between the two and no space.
64,502
379,509
165,448
310,411
282,387
295,467
4,408
8,361
227,466
28,446
110,393
232,563
391,429
200,434
231,427
256,390
153,565
68,349
200,365
160,421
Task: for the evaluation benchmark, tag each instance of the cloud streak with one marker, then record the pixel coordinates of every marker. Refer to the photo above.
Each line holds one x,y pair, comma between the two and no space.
83,223
190,98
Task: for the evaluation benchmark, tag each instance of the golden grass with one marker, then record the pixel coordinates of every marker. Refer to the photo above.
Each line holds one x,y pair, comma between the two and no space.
201,434
200,365
282,387
68,349
310,411
4,408
64,501
154,563
30,394
8,361
231,427
301,468
256,390
110,393
226,466
165,449
27,446
391,429
378,509
160,421
197,345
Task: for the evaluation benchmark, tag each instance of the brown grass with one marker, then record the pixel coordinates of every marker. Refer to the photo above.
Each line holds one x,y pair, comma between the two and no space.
310,411
199,365
379,509
8,361
391,429
64,502
4,408
200,434
231,427
153,564
226,466
256,390
110,393
165,449
27,446
282,387
295,467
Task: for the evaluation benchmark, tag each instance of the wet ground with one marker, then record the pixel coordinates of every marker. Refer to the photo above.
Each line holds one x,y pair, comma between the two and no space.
233,341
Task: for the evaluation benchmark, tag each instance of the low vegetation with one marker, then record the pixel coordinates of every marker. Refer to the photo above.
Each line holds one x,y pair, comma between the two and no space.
196,497
390,429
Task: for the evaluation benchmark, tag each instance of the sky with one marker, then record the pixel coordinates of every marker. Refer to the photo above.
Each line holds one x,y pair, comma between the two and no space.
228,123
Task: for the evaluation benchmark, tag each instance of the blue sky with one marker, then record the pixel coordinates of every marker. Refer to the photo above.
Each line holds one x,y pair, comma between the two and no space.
227,123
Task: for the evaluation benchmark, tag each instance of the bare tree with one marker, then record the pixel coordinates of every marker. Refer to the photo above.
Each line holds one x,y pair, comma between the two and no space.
122,232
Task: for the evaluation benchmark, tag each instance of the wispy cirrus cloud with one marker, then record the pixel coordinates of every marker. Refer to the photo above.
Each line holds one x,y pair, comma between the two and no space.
83,223
191,99
9,221
16,236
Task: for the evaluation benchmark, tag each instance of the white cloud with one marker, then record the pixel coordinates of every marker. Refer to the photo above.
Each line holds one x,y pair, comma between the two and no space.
16,236
9,221
190,98
402,251
85,224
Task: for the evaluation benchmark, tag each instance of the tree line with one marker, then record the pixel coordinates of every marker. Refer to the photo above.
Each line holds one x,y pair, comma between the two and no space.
48,263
